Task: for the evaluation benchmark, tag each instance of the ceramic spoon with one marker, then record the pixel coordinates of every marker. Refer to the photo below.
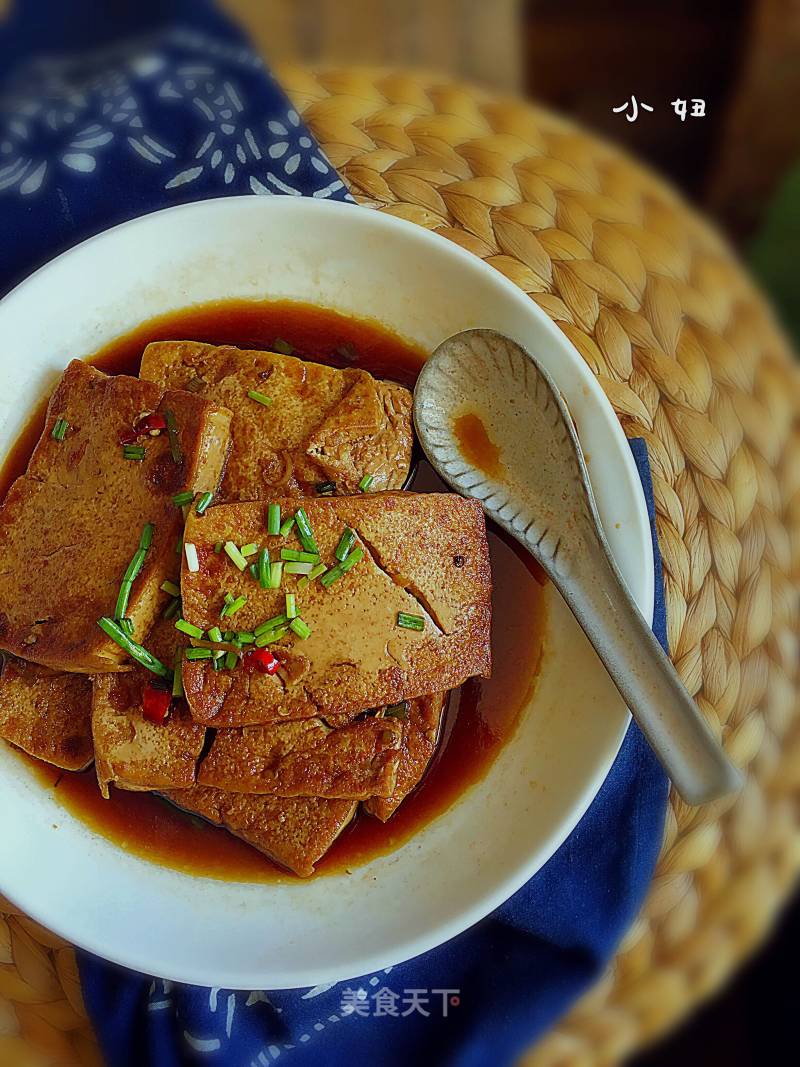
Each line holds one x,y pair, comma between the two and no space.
534,483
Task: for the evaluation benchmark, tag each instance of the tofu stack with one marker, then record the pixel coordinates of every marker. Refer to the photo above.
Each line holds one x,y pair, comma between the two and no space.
215,588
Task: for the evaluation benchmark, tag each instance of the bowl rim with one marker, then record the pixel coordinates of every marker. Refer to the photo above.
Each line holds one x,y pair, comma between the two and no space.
405,948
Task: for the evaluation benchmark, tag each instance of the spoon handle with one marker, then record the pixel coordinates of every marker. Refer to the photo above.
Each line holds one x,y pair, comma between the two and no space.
644,675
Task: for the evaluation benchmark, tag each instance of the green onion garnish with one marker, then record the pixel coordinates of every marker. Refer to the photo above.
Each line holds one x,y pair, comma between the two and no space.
301,628
271,636
237,605
215,634
123,597
172,430
270,624
230,661
189,628
410,622
275,575
335,573
199,653
133,452
229,598
59,431
177,677
253,569
366,482
171,588
311,576
179,545
325,488
273,519
181,499
127,625
287,526
218,548
147,536
134,650
279,345
203,503
135,565
234,555
172,610
346,542
293,556
249,549
397,711
298,568
244,637
291,606
259,397
304,532
263,568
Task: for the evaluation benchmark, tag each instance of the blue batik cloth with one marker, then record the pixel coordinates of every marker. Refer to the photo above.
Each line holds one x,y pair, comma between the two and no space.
110,110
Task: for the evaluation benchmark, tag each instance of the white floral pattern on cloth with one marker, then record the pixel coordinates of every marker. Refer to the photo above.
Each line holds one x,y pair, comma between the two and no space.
179,101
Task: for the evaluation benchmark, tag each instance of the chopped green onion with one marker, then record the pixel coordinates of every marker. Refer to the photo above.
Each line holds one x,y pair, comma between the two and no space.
134,650
291,606
287,526
192,562
410,622
189,628
172,610
127,625
215,634
294,556
234,555
172,430
244,637
249,549
216,662
218,548
135,565
302,629
325,488
279,345
253,568
275,575
312,576
59,431
147,536
123,597
177,677
180,499
346,542
273,519
229,635
397,711
179,545
271,636
230,661
135,453
366,482
263,568
335,573
304,532
298,568
270,624
237,605
259,397
199,653
229,598
171,588
203,503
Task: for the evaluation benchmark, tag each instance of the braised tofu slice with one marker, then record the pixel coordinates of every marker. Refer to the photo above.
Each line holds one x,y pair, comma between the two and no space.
294,832
321,425
411,617
306,758
46,713
70,526
421,720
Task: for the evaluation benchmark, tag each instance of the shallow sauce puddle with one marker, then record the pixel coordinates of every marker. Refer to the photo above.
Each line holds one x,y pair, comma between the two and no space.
481,716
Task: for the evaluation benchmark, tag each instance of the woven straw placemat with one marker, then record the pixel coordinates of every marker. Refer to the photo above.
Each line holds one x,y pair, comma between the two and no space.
689,355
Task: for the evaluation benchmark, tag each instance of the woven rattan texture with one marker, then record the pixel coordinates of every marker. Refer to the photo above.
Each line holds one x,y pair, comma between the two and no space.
692,361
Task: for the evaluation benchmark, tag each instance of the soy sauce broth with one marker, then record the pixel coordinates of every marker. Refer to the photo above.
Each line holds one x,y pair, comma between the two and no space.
481,715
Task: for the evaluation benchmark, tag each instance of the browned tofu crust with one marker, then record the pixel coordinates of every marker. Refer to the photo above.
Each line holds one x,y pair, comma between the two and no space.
424,554
294,832
323,424
45,713
70,526
306,758
420,734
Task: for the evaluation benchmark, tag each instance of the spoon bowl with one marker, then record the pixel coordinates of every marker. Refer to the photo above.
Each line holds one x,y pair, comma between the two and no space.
495,427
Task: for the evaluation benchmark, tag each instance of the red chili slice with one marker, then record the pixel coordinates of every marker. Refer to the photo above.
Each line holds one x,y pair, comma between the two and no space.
151,423
128,437
155,704
261,660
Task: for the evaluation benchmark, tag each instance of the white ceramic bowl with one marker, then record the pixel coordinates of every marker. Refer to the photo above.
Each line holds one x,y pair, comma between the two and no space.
504,828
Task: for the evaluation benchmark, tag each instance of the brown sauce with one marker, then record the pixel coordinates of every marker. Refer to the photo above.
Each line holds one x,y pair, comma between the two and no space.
477,446
481,716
